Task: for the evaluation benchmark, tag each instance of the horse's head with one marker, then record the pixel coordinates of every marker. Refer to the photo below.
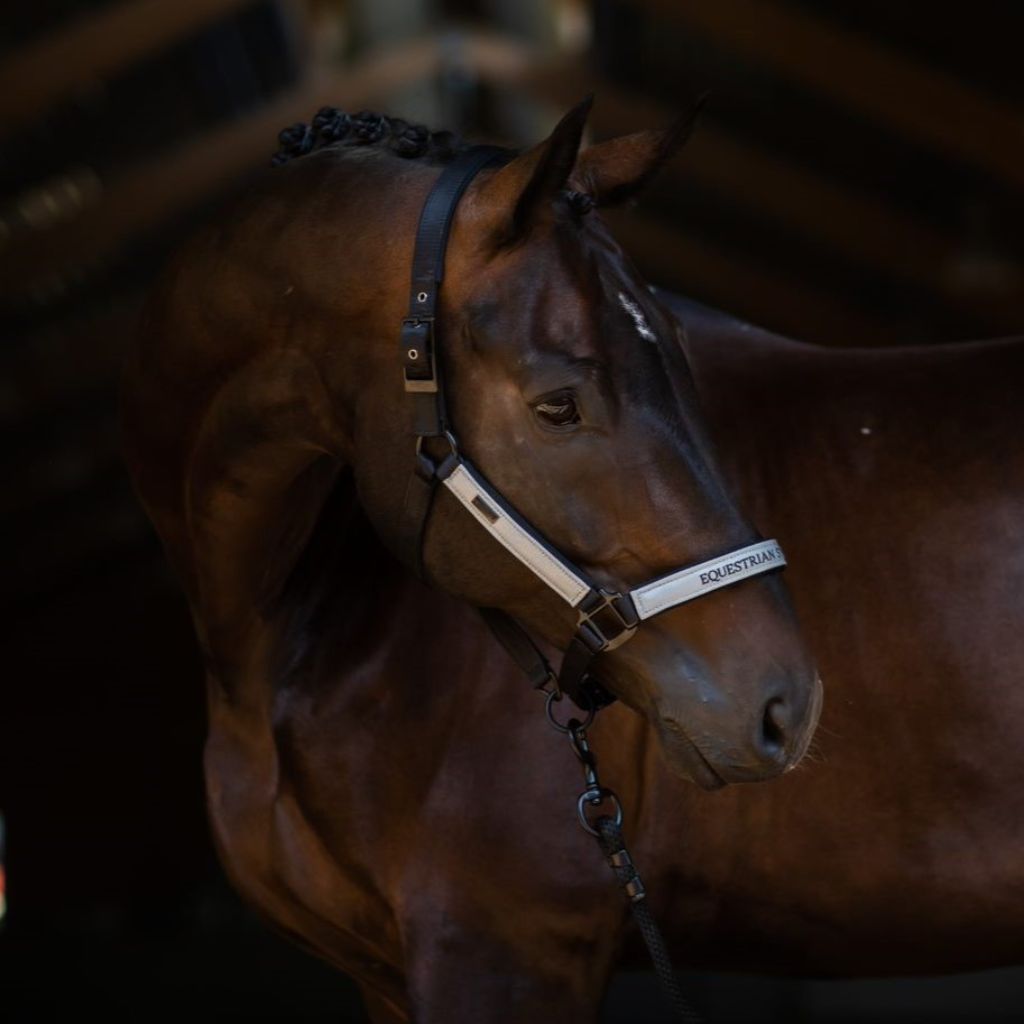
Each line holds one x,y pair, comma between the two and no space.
568,386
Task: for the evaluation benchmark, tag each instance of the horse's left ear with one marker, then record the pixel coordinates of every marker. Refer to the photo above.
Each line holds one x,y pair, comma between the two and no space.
614,171
522,189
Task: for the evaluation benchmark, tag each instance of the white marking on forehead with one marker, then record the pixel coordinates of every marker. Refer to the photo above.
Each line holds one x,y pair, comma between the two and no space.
636,314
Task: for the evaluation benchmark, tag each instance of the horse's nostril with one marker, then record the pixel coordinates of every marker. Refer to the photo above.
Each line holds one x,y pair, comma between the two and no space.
773,727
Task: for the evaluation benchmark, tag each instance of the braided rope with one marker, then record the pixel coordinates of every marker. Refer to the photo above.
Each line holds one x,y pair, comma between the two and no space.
609,835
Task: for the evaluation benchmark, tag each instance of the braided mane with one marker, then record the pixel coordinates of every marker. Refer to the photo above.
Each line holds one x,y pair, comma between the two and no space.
331,126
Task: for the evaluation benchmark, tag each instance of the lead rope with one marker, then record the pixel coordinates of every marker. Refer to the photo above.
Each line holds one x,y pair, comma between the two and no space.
607,830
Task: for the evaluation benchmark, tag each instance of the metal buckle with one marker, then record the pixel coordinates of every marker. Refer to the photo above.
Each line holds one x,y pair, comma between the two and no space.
417,348
618,621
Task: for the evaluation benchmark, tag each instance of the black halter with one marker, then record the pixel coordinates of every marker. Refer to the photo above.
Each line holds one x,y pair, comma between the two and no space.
606,619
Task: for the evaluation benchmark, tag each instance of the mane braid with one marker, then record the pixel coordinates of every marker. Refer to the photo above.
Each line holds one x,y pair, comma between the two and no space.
333,127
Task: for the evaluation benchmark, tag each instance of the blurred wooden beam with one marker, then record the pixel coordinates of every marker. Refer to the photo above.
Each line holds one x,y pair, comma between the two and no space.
851,223
50,369
81,537
93,47
153,192
58,461
865,75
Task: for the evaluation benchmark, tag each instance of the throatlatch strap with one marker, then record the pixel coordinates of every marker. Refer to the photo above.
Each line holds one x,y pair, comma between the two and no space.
572,678
520,646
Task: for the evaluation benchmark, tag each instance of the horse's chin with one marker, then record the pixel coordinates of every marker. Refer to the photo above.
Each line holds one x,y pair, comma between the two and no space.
684,758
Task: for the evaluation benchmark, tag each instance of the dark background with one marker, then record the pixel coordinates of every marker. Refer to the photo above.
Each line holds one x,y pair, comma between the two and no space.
858,178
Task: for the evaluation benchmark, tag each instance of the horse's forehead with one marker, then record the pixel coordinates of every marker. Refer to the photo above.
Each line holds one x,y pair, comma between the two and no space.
568,289
561,276
535,287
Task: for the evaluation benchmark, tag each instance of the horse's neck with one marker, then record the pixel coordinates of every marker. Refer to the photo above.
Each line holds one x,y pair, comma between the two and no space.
768,398
259,467
293,587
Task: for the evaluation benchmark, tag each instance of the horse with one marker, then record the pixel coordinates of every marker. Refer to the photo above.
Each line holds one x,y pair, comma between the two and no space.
380,783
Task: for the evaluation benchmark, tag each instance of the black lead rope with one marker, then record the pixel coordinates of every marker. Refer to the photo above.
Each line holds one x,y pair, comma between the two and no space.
614,848
607,830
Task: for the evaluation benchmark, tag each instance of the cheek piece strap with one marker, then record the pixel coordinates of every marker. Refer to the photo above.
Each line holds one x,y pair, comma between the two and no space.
605,619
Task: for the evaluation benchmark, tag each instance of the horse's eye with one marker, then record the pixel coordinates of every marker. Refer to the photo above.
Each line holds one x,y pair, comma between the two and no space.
558,410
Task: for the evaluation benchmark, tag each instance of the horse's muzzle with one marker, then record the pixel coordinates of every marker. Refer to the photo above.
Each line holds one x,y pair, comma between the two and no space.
718,742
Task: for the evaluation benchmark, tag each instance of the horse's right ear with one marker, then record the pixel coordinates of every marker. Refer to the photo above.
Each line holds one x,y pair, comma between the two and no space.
522,190
615,171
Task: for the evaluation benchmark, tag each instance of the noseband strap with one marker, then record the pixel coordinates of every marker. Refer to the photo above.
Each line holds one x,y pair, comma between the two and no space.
605,619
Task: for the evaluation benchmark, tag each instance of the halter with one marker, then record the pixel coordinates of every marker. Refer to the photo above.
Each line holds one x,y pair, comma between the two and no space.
606,619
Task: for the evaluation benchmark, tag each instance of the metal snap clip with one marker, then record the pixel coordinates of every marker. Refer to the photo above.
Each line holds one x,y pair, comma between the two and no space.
596,797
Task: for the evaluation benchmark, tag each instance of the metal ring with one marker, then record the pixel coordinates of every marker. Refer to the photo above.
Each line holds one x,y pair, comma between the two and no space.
422,297
556,695
596,797
421,454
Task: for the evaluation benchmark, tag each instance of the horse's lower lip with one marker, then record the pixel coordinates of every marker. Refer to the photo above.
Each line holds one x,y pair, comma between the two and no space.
697,765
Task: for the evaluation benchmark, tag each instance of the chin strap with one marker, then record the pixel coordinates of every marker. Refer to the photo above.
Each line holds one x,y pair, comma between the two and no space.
572,677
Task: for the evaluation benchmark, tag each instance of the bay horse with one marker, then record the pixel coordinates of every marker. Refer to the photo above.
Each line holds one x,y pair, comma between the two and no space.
380,783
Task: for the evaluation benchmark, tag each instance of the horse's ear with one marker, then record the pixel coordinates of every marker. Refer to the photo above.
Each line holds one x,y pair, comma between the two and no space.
614,171
522,188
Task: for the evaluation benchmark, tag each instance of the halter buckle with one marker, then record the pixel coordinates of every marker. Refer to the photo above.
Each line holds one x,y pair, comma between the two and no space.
607,620
418,361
